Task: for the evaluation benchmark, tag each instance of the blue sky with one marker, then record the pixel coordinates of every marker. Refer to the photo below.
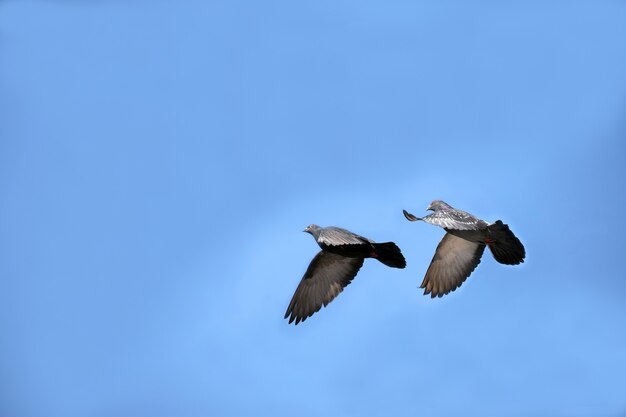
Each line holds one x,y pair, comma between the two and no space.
158,161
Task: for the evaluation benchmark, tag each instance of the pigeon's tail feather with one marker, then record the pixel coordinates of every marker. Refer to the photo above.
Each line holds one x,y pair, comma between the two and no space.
389,254
505,247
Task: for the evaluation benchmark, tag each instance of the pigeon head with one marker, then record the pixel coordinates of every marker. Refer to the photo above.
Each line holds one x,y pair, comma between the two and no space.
313,229
438,205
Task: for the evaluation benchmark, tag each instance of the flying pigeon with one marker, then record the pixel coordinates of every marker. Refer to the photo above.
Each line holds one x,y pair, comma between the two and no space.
334,267
461,248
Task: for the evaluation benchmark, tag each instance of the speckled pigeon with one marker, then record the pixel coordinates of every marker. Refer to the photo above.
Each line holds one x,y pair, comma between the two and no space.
334,267
461,248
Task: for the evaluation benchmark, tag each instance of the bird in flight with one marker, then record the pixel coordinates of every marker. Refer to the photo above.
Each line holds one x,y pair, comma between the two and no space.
461,248
334,267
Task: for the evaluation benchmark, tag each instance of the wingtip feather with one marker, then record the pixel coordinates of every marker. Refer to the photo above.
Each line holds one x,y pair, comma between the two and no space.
410,217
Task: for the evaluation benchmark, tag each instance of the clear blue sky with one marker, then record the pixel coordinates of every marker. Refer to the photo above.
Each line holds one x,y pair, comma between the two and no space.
159,160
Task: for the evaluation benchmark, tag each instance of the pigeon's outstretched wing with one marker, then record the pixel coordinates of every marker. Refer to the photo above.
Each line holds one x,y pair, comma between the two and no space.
410,217
454,219
327,275
454,261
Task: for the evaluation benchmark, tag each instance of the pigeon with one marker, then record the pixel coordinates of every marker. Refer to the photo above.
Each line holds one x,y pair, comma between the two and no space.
334,267
461,248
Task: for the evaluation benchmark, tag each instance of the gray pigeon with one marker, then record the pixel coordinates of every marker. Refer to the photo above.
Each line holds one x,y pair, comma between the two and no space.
461,248
334,267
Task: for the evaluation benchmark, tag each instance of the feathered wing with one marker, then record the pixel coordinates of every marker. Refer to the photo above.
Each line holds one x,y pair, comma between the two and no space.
454,261
506,248
454,219
327,275
410,217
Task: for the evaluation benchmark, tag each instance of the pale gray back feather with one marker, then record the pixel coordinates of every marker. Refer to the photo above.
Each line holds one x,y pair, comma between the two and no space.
334,236
455,220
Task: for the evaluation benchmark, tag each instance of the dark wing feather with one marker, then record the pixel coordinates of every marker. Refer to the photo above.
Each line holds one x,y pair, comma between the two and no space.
326,276
410,217
454,261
